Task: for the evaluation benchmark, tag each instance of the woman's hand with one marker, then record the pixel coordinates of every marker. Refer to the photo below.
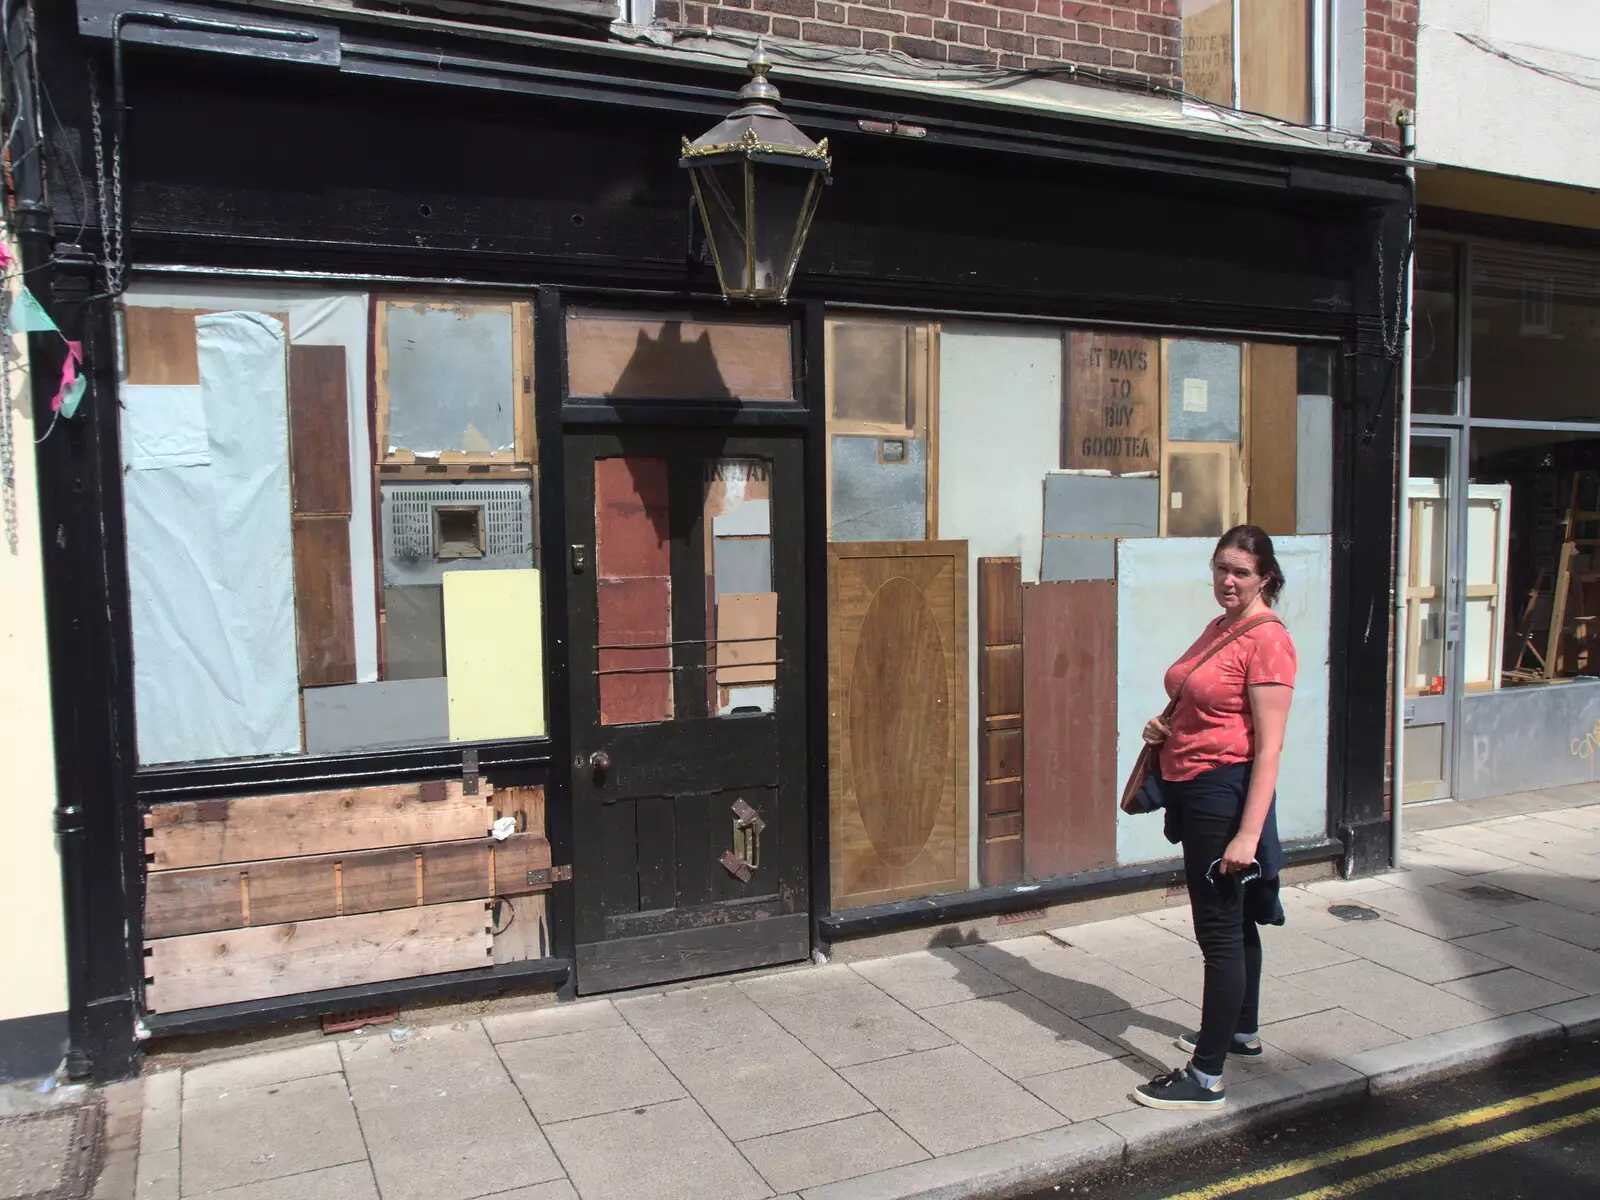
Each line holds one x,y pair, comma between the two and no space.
1241,852
1156,731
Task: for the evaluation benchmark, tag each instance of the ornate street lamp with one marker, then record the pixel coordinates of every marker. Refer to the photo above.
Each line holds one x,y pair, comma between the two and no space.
757,180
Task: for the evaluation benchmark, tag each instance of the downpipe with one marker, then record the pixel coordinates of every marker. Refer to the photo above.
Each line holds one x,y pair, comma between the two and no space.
1402,541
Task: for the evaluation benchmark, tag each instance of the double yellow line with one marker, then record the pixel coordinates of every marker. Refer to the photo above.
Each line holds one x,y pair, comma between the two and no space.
1415,1133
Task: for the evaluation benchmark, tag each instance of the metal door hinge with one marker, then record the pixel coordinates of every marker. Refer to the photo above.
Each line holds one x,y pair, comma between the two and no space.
540,876
745,857
469,772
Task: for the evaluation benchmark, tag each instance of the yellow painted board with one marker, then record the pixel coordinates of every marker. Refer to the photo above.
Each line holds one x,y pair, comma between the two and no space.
494,654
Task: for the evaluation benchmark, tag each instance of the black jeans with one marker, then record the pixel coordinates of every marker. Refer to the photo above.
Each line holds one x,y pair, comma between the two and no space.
1228,938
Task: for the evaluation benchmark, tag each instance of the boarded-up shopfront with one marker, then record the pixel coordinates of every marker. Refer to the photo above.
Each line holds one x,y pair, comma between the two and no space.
459,596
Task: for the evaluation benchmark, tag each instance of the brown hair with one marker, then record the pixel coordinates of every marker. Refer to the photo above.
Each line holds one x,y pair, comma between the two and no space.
1257,543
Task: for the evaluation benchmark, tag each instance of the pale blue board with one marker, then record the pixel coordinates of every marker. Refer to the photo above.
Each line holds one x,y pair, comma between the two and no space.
1217,364
875,501
1164,601
1101,505
1313,493
367,716
742,566
1077,558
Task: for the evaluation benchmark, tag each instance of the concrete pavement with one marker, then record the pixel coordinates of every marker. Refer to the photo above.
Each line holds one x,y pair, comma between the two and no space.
982,1069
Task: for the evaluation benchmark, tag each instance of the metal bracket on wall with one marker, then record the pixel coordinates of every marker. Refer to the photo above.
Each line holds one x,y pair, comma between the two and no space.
469,771
198,27
544,876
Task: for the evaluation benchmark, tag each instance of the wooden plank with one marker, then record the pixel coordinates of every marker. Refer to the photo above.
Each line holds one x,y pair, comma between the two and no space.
870,368
527,443
206,969
1113,403
319,431
160,345
1201,489
324,606
523,929
1069,803
1000,714
899,808
1208,50
202,899
1274,408
665,356
1274,58
200,833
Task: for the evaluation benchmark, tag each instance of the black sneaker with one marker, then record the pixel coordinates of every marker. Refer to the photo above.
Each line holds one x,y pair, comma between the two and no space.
1250,1049
1179,1090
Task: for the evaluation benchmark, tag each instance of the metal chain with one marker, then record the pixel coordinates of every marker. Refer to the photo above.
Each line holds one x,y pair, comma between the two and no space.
111,236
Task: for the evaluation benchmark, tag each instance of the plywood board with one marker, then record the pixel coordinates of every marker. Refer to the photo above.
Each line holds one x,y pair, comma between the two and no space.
1202,489
1070,735
413,632
874,367
878,497
631,518
1165,600
199,833
634,612
1275,58
1000,719
374,716
1101,505
1274,419
237,896
1203,391
494,654
899,810
319,431
740,618
207,969
1078,558
639,356
323,606
1208,50
161,346
522,931
1113,415
1314,465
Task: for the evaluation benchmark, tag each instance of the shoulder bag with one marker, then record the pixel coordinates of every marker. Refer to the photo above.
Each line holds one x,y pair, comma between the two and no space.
1142,791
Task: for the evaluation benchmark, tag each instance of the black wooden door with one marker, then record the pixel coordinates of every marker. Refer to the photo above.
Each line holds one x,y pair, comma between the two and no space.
685,573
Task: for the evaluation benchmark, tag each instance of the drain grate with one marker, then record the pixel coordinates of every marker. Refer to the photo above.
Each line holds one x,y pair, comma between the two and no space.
1355,912
1491,894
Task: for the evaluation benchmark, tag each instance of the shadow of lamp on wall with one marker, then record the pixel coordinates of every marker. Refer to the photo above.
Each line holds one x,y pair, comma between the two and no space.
757,180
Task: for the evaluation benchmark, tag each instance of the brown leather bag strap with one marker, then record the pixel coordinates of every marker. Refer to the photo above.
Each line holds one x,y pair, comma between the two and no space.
1232,635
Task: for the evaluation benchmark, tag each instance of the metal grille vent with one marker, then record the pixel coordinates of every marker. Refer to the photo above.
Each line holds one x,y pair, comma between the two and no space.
507,515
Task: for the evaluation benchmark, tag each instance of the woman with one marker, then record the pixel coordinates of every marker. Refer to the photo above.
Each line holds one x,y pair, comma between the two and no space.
1219,770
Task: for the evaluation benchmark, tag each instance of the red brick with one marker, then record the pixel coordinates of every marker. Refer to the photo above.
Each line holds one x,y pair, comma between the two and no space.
923,8
1097,14
1047,47
1050,27
1149,65
1017,43
785,28
1015,22
921,48
1122,19
972,35
946,31
973,55
1122,40
871,39
871,18
1019,5
735,3
1159,26
669,10
830,12
1122,60
974,14
830,35
1088,33
722,18
1013,60
1049,8
788,8
694,14
919,27
1096,55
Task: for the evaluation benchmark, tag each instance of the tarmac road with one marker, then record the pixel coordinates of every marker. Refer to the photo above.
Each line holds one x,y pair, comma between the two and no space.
1523,1130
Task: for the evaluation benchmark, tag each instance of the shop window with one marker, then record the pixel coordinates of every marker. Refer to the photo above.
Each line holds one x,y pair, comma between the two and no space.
1268,72
1535,335
628,356
991,678
1434,329
294,592
1533,558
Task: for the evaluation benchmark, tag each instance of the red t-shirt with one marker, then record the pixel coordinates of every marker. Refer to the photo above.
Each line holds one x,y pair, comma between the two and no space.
1213,726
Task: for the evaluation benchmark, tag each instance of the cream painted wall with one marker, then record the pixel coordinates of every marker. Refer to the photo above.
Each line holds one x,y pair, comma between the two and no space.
32,939
1477,110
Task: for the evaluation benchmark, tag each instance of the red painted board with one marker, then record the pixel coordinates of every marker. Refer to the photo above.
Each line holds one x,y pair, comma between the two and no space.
635,612
631,528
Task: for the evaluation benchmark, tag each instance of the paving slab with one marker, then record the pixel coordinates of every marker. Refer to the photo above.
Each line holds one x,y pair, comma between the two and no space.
950,1099
53,1153
1020,1034
158,1175
1403,1064
1557,920
1328,1035
1401,949
926,978
1286,952
162,1112
1580,1018
236,1136
261,1070
556,1189
353,1181
1129,938
852,1023
1537,884
1404,1004
818,1154
798,982
752,1076
1007,1168
1463,860
1097,1090
1437,913
1066,978
587,1073
1152,1032
1509,990
1175,920
670,1151
442,1119
552,1020
1542,955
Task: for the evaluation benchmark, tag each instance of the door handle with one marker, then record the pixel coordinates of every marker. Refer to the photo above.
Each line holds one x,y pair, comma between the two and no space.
600,762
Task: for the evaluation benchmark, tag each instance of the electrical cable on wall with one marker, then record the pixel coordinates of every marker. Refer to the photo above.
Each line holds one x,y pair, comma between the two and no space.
1584,81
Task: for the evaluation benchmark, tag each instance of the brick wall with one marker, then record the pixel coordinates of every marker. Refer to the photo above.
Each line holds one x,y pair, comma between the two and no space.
1140,37
1391,64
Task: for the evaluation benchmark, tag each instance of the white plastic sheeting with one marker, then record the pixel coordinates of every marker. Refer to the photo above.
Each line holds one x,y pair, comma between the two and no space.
1163,602
163,427
211,564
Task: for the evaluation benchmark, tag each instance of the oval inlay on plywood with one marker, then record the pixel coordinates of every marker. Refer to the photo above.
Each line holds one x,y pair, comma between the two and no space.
899,721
